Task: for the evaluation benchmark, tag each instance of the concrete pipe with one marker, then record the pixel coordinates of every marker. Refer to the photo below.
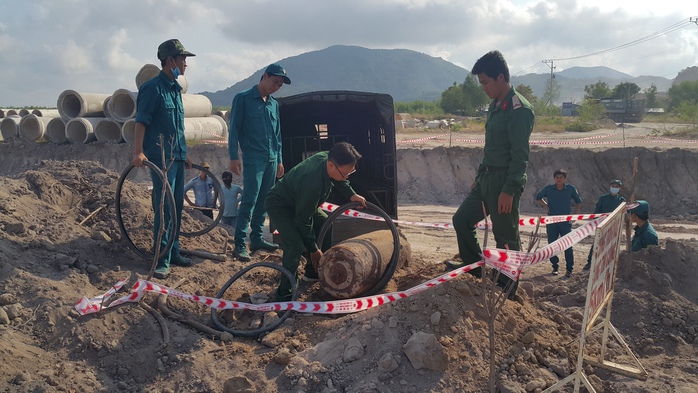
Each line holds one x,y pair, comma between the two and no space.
150,71
196,105
11,112
24,112
109,130
122,105
55,130
106,107
209,128
72,104
33,127
128,131
226,117
146,73
218,113
2,113
46,112
182,80
9,127
82,129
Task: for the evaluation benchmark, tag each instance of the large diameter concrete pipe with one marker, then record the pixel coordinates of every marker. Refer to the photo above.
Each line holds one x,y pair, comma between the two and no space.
72,104
11,112
2,113
9,127
150,71
210,128
227,117
146,73
219,113
106,107
108,130
128,131
24,112
46,112
122,105
33,127
196,105
55,130
82,129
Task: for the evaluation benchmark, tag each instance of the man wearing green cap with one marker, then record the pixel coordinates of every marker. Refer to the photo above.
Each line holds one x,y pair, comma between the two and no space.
160,112
255,127
645,235
606,204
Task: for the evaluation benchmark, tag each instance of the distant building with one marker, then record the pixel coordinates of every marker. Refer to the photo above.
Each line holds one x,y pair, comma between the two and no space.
570,109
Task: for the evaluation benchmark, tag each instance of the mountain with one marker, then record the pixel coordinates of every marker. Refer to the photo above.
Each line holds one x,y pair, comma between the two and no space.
593,73
404,74
411,76
686,75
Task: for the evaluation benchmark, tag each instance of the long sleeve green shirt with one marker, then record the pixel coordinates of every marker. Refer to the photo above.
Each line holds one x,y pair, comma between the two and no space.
255,126
507,133
303,189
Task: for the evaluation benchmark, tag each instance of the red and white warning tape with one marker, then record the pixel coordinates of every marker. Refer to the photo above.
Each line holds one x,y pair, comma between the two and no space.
508,262
526,221
96,304
422,139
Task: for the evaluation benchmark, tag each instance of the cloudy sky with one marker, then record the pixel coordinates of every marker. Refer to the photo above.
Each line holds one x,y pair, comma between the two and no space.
47,46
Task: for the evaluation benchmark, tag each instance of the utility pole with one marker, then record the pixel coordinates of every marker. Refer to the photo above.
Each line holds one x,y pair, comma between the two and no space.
551,64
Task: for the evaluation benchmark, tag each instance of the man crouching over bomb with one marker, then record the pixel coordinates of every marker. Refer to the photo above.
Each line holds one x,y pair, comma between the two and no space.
293,205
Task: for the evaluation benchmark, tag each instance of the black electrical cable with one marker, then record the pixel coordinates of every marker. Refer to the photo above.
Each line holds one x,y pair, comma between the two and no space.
392,265
254,332
170,205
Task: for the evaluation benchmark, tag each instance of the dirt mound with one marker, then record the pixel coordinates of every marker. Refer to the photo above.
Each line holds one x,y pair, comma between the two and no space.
51,254
665,178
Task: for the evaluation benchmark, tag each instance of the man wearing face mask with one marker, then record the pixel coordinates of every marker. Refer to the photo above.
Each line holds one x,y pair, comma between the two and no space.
231,196
160,112
256,128
606,204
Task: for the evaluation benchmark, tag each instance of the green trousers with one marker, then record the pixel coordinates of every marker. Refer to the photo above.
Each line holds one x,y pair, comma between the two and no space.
292,244
505,227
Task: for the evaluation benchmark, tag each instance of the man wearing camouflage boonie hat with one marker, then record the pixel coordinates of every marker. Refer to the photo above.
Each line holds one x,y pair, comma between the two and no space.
159,111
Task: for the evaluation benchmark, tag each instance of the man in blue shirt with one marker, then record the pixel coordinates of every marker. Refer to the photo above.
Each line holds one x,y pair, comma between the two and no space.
255,127
645,235
606,204
160,112
555,198
231,195
204,192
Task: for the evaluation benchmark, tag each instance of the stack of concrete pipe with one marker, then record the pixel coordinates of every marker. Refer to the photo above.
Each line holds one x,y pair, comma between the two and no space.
86,117
22,122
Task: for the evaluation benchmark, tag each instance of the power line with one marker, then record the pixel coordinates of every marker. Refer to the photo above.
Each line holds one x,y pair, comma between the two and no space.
667,30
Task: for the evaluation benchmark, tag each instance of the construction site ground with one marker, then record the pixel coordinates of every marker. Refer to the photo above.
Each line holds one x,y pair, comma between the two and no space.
52,253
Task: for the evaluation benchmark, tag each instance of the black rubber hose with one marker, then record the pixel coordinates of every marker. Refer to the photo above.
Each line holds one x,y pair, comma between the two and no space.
392,265
219,192
171,203
255,332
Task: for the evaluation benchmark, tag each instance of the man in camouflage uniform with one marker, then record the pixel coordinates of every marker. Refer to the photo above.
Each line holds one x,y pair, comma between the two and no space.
501,176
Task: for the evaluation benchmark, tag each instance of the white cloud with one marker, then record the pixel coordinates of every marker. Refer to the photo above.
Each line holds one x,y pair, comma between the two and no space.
99,46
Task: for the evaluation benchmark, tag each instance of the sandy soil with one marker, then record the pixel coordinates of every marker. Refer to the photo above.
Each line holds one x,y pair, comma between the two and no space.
49,258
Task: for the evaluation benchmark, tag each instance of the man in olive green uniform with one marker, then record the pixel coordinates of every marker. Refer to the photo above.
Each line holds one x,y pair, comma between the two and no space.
293,206
501,176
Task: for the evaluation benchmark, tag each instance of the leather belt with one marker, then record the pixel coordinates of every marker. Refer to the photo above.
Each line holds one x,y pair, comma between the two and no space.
490,169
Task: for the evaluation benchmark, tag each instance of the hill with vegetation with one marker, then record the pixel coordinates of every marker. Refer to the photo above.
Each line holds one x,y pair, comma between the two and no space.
410,76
